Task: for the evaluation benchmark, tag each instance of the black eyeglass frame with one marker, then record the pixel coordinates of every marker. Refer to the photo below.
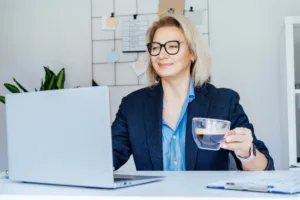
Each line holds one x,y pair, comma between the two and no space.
163,45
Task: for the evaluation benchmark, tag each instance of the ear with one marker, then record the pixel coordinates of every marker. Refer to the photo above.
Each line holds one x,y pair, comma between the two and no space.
193,58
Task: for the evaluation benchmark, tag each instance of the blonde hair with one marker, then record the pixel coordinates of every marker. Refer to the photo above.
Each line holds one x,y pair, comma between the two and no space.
201,67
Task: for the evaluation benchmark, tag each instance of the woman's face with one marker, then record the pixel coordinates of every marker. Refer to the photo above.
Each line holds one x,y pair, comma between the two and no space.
175,63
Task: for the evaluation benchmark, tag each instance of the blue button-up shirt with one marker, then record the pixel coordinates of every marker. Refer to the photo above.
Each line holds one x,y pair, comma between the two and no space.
174,140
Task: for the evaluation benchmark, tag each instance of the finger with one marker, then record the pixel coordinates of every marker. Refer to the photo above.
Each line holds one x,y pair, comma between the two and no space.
233,146
240,131
231,132
237,138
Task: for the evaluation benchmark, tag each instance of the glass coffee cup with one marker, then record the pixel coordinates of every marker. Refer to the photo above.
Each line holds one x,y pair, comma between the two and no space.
209,133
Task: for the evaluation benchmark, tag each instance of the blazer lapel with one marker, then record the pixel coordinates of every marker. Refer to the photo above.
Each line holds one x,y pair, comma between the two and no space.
197,108
153,123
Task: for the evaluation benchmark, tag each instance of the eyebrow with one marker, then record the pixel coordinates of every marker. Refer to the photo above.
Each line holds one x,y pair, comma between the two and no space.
168,41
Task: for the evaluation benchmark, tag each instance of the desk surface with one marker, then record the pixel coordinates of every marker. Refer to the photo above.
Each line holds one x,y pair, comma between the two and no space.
182,184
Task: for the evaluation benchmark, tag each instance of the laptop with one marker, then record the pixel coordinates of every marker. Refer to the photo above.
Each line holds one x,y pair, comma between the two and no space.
63,137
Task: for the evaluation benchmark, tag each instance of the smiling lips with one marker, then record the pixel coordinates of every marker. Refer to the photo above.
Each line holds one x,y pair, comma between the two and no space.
163,65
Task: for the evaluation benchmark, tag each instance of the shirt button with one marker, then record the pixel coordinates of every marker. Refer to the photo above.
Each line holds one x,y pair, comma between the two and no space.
174,137
175,162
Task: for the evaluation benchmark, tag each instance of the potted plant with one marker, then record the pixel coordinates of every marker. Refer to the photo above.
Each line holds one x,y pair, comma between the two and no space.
51,81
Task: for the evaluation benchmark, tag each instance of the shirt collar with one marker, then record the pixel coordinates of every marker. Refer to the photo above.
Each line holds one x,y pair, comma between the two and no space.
191,93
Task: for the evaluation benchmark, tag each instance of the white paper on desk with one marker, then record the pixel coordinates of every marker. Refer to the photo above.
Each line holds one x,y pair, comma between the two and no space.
287,182
134,34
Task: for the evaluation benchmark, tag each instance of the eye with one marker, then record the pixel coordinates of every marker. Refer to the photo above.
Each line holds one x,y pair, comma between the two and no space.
173,46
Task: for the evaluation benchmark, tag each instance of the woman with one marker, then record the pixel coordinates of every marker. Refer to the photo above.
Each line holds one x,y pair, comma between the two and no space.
154,123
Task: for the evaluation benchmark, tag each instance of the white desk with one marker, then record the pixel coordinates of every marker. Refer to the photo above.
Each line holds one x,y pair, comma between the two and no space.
176,184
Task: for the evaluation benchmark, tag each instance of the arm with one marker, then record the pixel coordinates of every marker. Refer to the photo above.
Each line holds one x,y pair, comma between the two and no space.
120,138
241,142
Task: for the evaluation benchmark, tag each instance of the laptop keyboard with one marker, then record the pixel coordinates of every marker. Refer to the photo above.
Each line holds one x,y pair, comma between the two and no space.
132,177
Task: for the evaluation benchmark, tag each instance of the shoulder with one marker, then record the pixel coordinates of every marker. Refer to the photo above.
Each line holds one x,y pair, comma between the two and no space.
219,95
138,93
136,97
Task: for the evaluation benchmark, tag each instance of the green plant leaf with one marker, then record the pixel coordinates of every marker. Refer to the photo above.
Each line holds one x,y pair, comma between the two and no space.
42,86
11,88
51,84
60,79
48,76
48,73
20,86
2,99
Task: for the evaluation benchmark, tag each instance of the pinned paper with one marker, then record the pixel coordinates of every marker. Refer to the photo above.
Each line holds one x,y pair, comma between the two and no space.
113,57
109,23
139,66
168,6
133,32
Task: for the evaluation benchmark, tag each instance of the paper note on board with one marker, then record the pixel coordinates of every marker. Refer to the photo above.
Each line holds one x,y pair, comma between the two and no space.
139,66
170,6
134,34
113,57
109,23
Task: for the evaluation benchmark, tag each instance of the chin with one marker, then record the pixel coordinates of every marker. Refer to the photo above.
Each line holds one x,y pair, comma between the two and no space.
169,71
168,75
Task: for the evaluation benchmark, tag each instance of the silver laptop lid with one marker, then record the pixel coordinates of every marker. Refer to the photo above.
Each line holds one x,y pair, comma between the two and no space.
60,137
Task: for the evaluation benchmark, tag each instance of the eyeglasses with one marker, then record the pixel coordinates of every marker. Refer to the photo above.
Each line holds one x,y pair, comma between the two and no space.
171,47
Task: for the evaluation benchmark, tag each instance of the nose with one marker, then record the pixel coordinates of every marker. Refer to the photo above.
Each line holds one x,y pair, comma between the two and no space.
163,53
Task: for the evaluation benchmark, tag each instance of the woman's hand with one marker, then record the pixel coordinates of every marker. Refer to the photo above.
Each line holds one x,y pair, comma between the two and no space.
238,140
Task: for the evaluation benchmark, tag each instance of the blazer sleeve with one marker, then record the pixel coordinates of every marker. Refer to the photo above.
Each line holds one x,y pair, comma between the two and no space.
239,118
120,138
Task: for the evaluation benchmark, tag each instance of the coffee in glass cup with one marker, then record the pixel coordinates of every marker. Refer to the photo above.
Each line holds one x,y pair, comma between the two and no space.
209,133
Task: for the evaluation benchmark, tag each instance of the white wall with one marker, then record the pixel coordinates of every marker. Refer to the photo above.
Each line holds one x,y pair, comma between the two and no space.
36,33
244,43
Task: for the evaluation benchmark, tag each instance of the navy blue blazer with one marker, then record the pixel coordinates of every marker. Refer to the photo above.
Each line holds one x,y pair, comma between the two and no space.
137,129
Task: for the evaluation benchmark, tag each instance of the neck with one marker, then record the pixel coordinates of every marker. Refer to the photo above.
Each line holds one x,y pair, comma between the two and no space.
176,88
